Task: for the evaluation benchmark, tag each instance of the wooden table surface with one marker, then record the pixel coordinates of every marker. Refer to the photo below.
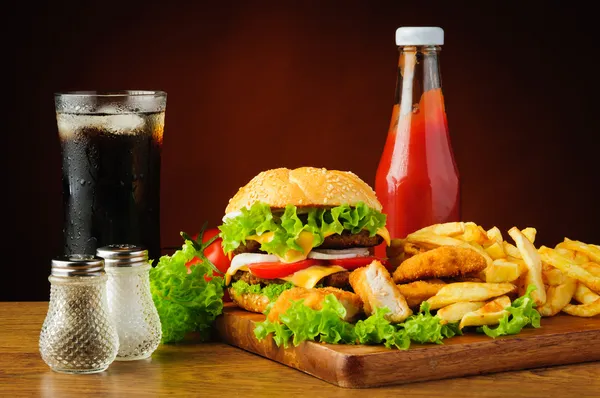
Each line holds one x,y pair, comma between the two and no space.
215,369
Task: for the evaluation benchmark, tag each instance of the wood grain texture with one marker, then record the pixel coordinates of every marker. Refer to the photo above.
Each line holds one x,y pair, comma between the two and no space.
216,369
561,340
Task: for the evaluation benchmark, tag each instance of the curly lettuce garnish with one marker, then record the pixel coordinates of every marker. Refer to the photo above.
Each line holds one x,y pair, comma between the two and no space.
302,323
426,328
376,330
186,302
521,313
286,228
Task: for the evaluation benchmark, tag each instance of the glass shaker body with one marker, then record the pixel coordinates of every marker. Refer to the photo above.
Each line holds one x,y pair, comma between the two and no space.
78,335
130,302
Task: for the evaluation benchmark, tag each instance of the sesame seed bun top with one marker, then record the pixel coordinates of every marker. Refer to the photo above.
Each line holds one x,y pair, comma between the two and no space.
304,187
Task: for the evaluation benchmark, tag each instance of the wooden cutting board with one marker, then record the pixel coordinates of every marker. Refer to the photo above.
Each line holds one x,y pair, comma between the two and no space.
562,339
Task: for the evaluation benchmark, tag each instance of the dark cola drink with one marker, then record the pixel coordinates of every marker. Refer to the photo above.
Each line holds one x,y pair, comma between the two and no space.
111,179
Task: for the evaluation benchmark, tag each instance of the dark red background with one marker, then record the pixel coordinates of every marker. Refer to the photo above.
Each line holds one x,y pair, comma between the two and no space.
258,85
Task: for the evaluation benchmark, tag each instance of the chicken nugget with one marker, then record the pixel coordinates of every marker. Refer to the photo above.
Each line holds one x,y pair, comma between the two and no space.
442,262
419,291
375,287
313,298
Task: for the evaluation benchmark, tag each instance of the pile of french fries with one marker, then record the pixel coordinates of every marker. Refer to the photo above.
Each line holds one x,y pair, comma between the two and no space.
566,277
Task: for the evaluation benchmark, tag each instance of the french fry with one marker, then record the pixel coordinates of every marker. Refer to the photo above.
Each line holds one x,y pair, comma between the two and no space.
589,250
519,262
529,233
557,297
455,312
581,258
430,238
574,256
592,268
489,314
568,253
484,232
534,265
583,310
495,251
502,271
573,270
474,233
584,295
511,250
495,235
468,291
445,229
553,276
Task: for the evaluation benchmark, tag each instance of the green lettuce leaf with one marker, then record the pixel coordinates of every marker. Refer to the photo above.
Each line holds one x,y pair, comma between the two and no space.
185,302
281,333
304,323
521,313
376,330
327,325
451,330
286,227
425,328
271,291
254,221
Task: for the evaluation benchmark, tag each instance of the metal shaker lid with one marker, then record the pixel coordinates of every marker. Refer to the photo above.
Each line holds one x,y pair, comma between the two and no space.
123,255
77,265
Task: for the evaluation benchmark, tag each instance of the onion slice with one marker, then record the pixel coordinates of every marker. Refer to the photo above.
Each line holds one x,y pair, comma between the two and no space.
242,259
331,254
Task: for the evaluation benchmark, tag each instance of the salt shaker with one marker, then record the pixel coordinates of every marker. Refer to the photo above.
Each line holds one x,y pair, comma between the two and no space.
130,301
78,335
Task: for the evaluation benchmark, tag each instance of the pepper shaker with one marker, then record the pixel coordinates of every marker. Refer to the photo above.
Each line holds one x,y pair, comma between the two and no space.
78,335
130,301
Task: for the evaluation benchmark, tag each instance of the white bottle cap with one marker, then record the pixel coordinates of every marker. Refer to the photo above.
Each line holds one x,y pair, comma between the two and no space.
419,36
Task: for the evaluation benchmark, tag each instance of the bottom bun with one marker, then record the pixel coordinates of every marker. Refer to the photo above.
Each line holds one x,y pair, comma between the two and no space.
252,302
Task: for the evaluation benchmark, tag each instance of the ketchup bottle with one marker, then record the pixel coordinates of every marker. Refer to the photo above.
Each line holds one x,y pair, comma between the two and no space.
417,179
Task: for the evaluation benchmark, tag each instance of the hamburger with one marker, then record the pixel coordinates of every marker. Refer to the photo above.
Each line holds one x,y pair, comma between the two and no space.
306,228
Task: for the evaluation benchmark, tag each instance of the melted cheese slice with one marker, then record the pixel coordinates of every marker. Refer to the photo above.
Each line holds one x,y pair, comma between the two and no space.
305,241
385,234
310,276
264,238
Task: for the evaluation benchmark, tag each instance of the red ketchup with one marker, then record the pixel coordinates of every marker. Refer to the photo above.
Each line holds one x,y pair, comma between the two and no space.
417,180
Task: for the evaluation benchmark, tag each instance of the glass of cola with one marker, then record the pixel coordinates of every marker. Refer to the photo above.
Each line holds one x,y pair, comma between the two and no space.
111,146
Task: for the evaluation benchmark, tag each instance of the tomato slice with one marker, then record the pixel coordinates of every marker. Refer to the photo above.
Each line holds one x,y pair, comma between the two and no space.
357,262
274,270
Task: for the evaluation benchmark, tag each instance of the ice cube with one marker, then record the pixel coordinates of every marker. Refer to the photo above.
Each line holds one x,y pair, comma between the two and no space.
126,123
